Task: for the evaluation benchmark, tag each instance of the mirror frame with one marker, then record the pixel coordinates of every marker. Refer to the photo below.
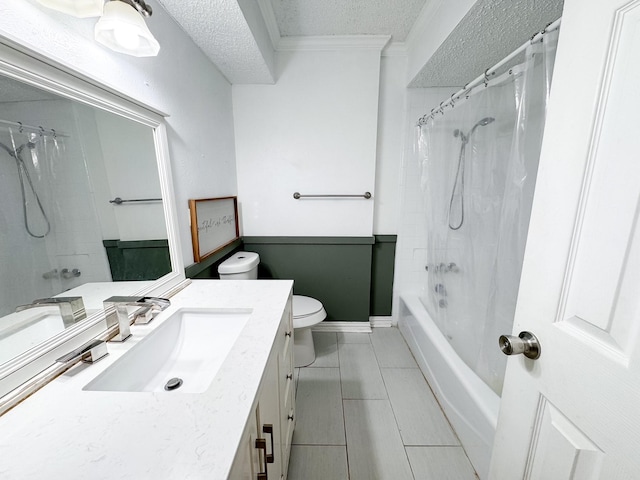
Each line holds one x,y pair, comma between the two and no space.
20,63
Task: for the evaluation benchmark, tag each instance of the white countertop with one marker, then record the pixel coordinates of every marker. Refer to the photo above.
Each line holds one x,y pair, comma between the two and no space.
63,432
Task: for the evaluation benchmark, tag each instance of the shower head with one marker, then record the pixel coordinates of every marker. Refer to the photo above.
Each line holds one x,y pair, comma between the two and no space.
482,123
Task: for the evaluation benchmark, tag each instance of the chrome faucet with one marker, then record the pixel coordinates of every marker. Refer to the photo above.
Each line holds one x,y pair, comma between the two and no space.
71,308
115,309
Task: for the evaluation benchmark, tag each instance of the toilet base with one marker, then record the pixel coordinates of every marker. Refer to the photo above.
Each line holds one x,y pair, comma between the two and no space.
304,352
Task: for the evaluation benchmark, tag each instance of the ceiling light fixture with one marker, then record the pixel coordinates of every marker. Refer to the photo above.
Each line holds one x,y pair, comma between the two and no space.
77,8
122,28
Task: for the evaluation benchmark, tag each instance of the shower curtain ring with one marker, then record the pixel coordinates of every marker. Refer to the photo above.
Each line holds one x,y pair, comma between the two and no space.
486,77
20,129
54,133
453,102
532,37
41,130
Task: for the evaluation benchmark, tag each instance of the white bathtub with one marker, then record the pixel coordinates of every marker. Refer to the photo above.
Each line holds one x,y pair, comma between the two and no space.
471,406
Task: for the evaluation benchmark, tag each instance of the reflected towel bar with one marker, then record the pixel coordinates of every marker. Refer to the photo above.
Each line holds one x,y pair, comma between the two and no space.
120,201
298,196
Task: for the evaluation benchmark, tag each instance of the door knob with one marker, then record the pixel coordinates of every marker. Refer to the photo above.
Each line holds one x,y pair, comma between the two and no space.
525,343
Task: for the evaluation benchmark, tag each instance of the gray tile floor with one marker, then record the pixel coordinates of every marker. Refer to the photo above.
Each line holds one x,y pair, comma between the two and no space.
365,412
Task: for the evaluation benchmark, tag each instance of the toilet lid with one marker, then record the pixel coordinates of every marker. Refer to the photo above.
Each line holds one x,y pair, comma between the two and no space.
305,306
307,311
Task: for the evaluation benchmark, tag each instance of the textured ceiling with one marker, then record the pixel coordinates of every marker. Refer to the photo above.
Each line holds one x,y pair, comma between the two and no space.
489,32
347,17
232,33
221,31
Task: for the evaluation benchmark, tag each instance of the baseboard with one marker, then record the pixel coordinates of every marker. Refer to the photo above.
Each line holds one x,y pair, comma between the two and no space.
344,327
381,321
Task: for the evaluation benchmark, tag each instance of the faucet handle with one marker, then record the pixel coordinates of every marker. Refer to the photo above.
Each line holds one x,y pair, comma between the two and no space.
157,303
144,315
88,353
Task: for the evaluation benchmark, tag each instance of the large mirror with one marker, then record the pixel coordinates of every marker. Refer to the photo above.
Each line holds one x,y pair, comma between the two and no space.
83,181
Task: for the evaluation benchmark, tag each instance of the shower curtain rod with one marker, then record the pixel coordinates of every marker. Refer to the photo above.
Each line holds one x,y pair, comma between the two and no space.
39,129
484,78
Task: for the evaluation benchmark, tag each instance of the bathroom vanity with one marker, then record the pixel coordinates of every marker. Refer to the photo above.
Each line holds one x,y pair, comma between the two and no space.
91,422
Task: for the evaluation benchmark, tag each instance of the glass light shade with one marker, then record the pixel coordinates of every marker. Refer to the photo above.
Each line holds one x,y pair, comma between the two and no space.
122,29
77,8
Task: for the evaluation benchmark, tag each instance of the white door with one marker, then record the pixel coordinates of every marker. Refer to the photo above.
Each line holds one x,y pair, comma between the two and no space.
575,412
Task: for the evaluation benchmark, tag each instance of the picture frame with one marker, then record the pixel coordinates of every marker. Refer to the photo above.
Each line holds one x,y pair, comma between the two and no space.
214,225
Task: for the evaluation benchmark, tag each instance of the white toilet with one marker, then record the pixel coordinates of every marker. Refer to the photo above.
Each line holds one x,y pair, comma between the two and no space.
307,311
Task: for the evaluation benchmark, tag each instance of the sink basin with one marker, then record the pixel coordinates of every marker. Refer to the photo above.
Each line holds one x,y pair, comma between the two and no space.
190,345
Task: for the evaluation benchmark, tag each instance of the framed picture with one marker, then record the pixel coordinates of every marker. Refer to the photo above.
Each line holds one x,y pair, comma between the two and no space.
214,225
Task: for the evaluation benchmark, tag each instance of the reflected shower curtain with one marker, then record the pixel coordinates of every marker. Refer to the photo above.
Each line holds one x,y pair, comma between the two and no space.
29,161
479,162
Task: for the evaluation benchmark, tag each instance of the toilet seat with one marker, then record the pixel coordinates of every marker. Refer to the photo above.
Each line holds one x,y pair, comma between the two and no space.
307,311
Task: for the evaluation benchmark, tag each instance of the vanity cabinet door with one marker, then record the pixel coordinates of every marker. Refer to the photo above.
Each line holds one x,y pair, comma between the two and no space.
246,465
260,450
269,419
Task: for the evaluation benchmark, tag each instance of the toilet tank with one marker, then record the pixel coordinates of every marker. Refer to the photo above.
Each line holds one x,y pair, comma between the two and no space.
240,266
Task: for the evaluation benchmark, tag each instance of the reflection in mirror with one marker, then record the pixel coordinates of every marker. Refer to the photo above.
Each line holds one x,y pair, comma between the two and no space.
61,163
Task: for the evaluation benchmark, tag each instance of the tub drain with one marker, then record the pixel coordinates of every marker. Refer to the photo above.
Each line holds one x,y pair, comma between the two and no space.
173,384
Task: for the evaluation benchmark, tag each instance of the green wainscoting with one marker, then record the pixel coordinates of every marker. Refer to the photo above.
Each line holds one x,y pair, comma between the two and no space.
351,276
335,270
382,271
137,259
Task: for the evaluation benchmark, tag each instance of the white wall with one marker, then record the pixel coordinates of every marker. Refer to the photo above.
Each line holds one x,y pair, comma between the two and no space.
180,81
391,133
315,131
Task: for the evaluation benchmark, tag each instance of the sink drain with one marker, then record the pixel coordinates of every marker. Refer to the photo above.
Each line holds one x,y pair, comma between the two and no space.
173,384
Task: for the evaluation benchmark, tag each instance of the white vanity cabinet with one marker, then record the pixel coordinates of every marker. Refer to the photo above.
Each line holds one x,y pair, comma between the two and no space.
264,450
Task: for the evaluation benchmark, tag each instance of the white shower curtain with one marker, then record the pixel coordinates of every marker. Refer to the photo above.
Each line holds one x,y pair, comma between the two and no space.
479,162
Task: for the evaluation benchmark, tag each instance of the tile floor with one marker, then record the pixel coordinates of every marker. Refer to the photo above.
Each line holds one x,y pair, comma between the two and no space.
365,412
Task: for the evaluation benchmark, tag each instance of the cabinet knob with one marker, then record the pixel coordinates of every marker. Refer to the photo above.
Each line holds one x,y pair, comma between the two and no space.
290,417
287,334
290,376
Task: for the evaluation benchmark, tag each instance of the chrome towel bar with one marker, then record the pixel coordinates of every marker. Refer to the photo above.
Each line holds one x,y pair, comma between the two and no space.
120,201
298,196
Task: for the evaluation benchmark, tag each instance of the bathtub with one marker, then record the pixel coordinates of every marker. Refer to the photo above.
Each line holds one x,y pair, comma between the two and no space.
470,405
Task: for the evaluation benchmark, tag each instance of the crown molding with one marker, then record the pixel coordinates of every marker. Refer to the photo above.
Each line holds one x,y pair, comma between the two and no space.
333,42
270,21
395,49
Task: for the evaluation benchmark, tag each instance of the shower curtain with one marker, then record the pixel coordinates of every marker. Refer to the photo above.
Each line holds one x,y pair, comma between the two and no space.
479,163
